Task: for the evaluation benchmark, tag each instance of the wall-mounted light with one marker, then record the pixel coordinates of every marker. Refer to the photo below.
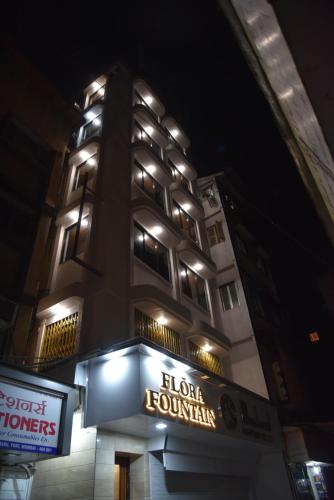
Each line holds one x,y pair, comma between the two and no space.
90,115
91,162
73,215
151,169
174,132
97,122
84,155
186,206
181,168
148,99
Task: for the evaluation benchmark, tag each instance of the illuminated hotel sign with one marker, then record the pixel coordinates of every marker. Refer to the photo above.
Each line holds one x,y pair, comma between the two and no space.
180,400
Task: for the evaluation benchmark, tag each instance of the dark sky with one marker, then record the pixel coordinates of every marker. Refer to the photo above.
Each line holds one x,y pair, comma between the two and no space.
187,52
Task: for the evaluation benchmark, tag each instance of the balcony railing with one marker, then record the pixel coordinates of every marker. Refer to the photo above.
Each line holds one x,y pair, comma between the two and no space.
185,222
139,134
149,185
177,175
86,167
159,334
205,359
59,339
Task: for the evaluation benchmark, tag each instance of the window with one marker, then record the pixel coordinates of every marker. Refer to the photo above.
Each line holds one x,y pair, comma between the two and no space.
139,134
94,127
151,252
229,296
69,240
146,182
193,286
87,167
184,221
209,196
215,233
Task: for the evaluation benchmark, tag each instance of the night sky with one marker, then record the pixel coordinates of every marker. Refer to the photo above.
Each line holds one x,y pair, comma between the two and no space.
187,53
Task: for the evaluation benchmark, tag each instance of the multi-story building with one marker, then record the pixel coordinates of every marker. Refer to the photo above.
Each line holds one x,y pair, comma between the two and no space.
132,315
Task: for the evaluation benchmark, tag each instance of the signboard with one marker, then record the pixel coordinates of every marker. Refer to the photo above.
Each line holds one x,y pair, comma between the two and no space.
29,419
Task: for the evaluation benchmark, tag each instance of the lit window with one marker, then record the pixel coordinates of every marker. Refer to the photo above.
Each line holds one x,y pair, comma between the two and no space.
85,168
148,184
151,251
68,250
215,233
314,337
193,286
229,296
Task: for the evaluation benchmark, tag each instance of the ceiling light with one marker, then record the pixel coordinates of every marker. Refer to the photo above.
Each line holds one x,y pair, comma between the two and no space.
84,155
101,91
74,214
207,347
198,266
186,206
156,230
90,115
148,129
161,426
84,222
91,162
162,320
151,168
95,86
97,122
148,99
174,132
181,168
183,273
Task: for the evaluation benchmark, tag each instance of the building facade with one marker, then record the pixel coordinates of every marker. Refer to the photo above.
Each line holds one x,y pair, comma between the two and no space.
132,316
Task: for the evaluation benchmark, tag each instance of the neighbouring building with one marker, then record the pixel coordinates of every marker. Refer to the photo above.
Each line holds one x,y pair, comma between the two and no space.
131,315
35,127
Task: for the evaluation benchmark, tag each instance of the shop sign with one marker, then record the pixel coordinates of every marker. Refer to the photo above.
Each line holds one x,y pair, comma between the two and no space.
180,400
29,419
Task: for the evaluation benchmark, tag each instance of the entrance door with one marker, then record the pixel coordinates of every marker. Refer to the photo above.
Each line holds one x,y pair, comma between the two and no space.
121,478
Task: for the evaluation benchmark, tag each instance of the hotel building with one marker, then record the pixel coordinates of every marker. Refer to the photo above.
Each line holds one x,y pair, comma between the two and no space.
132,316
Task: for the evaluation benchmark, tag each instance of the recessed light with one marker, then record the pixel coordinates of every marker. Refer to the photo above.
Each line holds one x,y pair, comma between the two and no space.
156,230
207,347
162,320
148,129
148,99
97,122
84,222
101,91
198,266
84,155
74,214
91,162
181,168
174,132
161,426
186,206
96,86
90,115
151,168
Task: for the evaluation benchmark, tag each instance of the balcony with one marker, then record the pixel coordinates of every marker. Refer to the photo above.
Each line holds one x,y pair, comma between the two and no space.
176,135
152,162
59,338
156,222
144,95
93,126
82,161
185,222
176,158
95,91
196,259
147,184
205,360
158,333
147,128
161,307
187,201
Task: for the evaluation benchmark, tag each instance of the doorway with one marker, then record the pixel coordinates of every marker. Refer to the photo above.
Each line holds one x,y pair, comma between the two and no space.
121,478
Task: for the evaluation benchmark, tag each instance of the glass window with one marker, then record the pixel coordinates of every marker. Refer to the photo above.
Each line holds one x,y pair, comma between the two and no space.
229,296
94,127
69,240
151,251
87,167
193,286
139,134
148,184
178,176
215,233
184,221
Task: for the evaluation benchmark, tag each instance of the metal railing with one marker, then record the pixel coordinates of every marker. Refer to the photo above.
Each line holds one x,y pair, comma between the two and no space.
59,339
159,334
205,359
